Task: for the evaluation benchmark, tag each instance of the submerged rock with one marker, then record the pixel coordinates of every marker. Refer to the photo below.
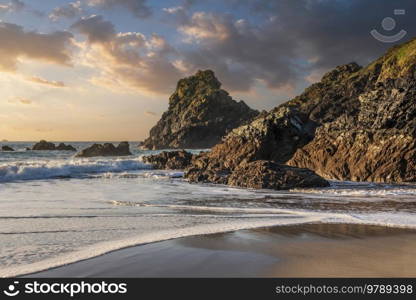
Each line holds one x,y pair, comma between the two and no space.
47,146
200,113
355,124
107,149
170,160
6,148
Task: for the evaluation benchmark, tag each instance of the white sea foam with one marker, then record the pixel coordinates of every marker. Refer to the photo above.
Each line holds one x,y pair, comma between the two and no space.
220,225
73,167
105,247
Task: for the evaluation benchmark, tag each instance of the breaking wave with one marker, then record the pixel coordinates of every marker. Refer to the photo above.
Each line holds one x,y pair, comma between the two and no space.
69,168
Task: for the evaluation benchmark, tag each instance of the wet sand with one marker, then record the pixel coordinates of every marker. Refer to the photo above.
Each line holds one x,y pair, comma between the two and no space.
309,250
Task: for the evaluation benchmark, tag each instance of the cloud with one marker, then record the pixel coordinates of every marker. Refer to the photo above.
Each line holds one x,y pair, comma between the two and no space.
52,47
20,100
280,43
70,11
12,6
46,82
96,29
241,53
139,8
128,59
335,32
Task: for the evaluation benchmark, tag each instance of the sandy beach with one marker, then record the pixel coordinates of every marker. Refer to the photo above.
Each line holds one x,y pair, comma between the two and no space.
309,250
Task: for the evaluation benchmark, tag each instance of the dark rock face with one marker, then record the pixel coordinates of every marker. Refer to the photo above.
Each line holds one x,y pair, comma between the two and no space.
375,138
263,174
47,146
200,113
6,148
356,124
259,174
107,149
170,160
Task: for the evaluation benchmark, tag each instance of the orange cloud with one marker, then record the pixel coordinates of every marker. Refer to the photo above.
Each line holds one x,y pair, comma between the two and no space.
130,60
46,82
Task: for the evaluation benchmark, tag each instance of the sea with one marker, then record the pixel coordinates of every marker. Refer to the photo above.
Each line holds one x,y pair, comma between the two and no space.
56,209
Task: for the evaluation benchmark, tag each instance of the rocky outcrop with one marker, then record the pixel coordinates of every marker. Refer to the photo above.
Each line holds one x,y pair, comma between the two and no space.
6,148
170,160
47,146
375,139
263,174
107,149
200,113
356,124
271,137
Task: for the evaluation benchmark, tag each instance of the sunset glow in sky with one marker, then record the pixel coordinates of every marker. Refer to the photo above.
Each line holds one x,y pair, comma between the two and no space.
104,69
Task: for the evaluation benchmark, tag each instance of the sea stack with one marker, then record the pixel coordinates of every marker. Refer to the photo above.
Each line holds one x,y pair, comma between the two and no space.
200,113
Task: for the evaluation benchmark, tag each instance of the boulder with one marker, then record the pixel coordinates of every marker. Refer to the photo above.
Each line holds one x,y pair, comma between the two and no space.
200,113
263,174
6,148
107,149
170,160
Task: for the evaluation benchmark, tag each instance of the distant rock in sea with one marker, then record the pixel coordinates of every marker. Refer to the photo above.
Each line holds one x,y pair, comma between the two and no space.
63,147
356,124
6,148
170,160
4,141
47,146
200,113
107,149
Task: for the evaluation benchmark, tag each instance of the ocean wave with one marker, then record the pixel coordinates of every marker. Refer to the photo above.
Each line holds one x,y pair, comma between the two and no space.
361,192
67,168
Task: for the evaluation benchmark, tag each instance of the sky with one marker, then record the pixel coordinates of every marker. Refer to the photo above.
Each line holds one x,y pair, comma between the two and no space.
103,70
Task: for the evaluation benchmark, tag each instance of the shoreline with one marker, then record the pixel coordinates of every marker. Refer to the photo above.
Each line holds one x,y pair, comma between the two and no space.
306,250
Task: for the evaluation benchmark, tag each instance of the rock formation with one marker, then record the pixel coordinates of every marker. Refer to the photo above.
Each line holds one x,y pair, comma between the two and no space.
170,160
63,147
6,148
264,174
44,146
107,149
47,146
356,124
200,113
